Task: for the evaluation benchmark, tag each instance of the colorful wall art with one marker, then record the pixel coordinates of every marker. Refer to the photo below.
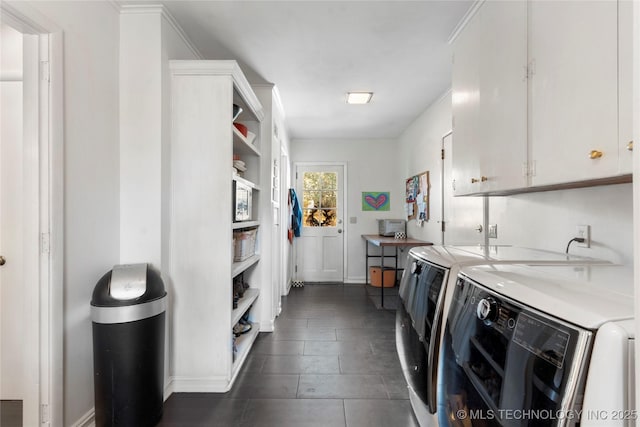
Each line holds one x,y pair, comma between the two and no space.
376,201
417,197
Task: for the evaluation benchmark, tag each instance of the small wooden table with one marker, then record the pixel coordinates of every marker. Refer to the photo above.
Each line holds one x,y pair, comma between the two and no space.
382,242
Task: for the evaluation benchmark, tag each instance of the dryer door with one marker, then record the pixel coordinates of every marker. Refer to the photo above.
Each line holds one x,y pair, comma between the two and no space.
504,364
418,326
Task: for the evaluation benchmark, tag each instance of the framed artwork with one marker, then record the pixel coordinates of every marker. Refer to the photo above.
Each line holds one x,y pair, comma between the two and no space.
376,201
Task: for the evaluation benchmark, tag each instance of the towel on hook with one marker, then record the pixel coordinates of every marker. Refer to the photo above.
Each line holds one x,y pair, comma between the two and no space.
296,216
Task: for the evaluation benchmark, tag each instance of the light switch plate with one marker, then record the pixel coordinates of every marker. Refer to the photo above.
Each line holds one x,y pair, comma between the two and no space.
492,233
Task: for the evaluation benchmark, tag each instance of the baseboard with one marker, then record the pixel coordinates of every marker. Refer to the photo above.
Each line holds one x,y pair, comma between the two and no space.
168,390
198,385
269,327
355,280
87,420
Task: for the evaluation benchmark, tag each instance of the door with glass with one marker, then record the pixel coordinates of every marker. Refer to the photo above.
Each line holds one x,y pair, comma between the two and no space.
320,248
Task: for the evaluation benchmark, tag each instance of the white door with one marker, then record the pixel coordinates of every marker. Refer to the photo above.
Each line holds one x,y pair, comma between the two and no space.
320,248
22,115
462,216
11,215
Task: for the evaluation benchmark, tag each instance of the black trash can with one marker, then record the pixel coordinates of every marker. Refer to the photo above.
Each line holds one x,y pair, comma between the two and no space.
128,319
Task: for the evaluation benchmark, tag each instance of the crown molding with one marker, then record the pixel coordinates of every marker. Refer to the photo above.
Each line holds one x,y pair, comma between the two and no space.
465,20
163,12
221,68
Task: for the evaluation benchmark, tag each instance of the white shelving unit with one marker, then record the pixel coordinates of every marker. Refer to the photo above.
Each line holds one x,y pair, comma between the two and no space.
203,144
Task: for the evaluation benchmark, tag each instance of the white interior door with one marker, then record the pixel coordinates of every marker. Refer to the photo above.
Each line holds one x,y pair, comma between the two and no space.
11,218
320,248
462,216
24,118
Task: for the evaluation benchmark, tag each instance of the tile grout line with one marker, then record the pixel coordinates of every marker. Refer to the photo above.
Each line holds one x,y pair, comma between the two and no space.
298,387
386,387
344,412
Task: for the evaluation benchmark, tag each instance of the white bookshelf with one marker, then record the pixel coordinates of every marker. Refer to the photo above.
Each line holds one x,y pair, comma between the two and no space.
203,144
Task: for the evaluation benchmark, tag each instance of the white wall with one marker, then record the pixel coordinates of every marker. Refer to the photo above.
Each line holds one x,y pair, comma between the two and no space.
149,38
545,220
420,146
91,190
140,136
372,165
548,220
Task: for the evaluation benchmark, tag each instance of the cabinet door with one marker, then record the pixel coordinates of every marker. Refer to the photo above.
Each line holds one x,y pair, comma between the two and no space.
490,100
465,98
625,86
503,96
573,91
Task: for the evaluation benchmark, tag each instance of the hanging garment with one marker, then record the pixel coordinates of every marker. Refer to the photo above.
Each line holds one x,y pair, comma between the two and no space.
296,216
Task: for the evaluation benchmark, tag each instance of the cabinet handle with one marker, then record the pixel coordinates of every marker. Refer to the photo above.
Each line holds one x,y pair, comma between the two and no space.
484,179
595,154
474,180
630,146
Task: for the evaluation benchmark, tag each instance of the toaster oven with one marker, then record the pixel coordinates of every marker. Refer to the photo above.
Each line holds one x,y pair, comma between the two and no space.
389,227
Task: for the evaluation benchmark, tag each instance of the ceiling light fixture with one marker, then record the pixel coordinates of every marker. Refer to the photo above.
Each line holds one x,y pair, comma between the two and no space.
359,97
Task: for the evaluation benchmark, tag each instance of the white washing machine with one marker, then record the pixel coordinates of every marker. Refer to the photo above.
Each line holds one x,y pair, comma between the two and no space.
539,346
423,298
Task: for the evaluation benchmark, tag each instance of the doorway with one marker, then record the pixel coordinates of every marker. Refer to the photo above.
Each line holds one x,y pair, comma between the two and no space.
18,329
30,282
462,217
320,248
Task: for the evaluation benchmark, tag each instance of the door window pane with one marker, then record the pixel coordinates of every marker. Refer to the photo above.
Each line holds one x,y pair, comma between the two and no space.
328,199
311,199
320,198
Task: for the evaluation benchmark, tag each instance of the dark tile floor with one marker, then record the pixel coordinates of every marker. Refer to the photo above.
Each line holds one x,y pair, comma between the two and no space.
10,413
330,362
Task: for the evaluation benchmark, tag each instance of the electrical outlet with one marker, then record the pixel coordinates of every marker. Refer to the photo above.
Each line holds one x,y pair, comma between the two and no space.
493,231
584,231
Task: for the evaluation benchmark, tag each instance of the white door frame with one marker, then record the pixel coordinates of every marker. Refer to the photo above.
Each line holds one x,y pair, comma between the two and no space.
285,218
443,224
345,212
49,224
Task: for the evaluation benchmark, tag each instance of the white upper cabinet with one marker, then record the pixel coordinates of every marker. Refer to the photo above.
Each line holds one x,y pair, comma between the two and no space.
573,90
490,100
625,85
541,96
465,99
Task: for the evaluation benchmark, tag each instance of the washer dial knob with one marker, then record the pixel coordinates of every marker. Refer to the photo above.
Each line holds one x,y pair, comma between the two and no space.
487,309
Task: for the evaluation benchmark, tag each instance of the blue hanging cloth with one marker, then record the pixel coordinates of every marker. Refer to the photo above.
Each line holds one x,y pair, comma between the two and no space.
296,216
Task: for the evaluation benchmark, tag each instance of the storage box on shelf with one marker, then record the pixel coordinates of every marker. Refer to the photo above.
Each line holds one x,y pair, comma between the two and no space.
244,244
202,270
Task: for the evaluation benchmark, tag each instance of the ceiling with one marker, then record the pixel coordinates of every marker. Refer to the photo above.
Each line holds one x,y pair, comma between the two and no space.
316,51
